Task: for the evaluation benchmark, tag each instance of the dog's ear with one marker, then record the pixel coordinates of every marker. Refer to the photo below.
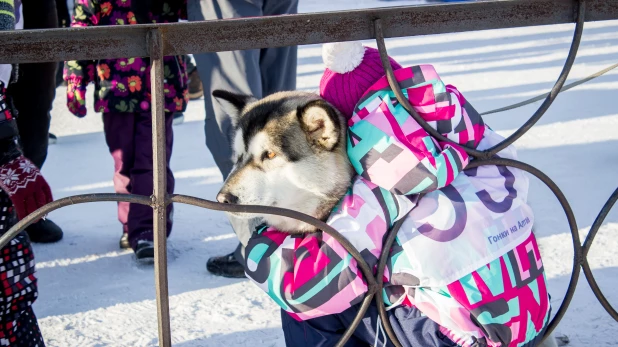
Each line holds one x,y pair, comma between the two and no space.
321,123
232,103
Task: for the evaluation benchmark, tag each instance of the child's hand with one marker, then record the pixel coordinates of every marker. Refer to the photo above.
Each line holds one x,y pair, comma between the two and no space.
76,98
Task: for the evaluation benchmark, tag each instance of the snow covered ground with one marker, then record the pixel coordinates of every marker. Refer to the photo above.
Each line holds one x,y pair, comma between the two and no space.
92,294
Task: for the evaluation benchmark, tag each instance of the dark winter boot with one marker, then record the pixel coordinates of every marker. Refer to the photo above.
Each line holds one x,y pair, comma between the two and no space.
144,251
226,266
44,231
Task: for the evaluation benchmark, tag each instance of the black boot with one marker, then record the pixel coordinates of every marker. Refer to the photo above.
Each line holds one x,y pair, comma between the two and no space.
226,266
44,231
144,251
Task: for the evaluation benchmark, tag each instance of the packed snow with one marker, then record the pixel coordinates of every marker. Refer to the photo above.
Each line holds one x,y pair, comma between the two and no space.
93,294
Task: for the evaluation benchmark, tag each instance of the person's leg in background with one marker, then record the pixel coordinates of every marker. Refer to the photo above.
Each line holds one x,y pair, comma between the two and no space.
33,95
237,71
119,130
241,72
278,65
140,219
64,21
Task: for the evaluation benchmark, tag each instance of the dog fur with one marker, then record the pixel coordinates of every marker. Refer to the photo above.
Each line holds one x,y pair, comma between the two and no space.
290,152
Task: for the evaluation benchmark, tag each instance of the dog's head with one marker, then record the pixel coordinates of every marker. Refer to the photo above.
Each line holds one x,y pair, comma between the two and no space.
290,152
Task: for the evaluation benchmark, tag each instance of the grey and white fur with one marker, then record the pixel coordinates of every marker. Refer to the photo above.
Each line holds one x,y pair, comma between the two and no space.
289,151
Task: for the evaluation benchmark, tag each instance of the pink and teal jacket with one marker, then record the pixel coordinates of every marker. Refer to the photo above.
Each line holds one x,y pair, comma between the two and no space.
465,256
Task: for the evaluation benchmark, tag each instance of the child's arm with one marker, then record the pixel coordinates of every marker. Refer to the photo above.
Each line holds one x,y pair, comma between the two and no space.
404,163
79,73
305,275
448,159
439,164
388,148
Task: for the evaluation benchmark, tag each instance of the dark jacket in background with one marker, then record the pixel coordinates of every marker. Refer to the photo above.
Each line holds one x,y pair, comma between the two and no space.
34,92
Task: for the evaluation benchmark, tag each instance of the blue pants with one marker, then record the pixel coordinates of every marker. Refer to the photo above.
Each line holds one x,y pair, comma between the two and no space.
412,329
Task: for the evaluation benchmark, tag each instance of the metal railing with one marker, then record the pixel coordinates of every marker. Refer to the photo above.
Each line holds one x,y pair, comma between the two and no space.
157,41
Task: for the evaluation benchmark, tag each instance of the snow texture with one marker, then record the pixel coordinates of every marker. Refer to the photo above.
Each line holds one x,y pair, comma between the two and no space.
92,294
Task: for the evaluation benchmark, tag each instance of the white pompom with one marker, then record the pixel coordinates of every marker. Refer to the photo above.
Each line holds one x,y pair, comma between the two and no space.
343,57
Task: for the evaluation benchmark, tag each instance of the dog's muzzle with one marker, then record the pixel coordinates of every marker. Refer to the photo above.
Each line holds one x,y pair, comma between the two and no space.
227,198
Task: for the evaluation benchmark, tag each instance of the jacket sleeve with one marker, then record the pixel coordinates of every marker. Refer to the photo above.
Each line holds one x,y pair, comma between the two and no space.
390,149
312,275
404,163
441,161
308,275
78,73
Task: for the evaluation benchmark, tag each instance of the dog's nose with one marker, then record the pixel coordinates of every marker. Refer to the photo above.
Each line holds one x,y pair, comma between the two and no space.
227,198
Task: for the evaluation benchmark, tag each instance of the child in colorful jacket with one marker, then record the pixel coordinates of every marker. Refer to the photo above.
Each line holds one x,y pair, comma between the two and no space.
465,269
122,94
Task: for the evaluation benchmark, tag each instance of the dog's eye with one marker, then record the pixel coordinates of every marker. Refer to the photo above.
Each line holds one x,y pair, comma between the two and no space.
268,155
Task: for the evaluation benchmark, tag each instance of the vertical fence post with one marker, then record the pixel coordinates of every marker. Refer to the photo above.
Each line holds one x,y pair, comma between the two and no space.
159,197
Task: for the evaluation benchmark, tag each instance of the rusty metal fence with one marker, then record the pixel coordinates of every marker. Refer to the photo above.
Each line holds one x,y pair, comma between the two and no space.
157,41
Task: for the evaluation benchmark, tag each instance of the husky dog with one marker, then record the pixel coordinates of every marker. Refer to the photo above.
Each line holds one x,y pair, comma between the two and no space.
290,152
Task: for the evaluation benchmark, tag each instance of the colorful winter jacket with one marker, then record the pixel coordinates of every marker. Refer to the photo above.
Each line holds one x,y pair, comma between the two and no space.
465,255
123,85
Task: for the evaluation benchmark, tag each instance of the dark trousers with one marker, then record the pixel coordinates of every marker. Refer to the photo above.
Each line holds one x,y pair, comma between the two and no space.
258,72
412,329
34,92
129,138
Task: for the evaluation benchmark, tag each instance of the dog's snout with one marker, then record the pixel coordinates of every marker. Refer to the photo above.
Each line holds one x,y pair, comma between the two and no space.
227,198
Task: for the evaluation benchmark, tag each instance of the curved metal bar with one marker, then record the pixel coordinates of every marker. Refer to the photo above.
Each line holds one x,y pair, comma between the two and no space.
71,200
577,248
371,282
543,96
359,317
392,81
255,209
577,36
587,244
386,248
579,27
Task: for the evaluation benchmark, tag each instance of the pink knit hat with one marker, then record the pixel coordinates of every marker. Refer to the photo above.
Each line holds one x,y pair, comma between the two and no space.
351,69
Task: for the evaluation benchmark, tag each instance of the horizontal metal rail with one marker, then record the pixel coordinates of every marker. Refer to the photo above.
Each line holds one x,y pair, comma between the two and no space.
26,46
161,40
